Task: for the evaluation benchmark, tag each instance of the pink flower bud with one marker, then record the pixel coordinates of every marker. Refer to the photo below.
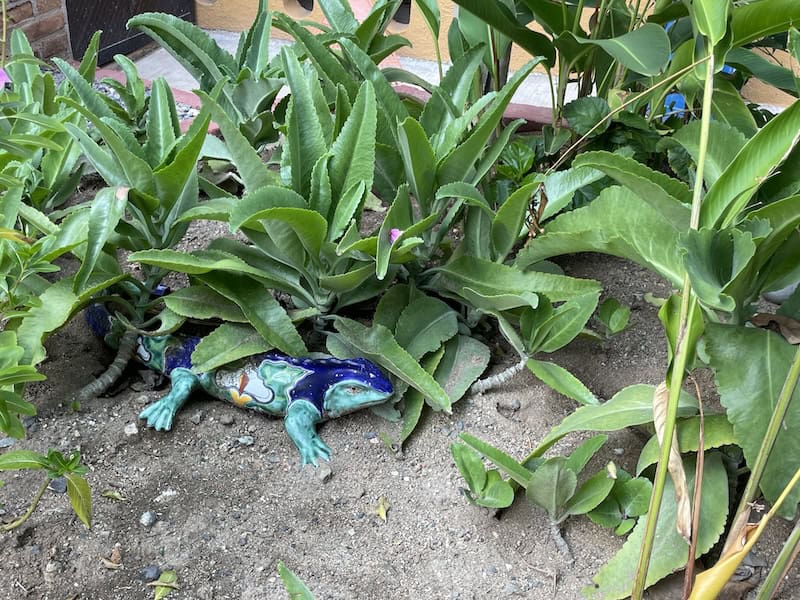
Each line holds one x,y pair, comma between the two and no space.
4,78
394,234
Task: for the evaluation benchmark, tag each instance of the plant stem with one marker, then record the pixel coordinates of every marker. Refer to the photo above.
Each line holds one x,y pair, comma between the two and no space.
31,508
687,316
3,36
633,99
782,564
773,428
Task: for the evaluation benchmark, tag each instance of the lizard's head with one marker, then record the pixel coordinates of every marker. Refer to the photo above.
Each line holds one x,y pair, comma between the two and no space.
356,385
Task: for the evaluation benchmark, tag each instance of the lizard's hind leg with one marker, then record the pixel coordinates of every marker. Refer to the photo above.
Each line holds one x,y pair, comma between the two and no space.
161,413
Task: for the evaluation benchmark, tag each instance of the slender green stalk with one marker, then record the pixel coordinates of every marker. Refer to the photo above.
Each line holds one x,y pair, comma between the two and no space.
768,443
633,99
3,35
31,508
682,350
781,566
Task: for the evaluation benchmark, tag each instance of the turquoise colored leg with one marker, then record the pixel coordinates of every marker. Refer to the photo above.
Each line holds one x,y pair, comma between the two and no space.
160,414
301,421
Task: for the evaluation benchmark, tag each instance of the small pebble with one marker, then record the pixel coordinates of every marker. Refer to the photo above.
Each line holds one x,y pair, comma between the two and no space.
58,485
131,429
142,399
619,451
51,571
31,424
148,518
246,440
370,435
7,442
166,496
510,404
324,473
227,419
197,417
149,573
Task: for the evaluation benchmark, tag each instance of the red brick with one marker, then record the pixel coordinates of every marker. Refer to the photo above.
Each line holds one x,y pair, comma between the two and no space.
54,45
43,6
20,13
44,26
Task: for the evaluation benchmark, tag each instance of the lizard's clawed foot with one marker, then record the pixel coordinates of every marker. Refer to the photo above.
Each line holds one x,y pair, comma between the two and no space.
313,450
159,415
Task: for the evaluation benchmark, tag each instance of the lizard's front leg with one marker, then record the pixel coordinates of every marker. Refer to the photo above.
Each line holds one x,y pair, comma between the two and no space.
161,413
301,421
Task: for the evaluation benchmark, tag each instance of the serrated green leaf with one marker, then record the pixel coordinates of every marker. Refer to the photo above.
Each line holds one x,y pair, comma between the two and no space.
579,457
226,344
615,580
590,494
505,462
200,302
750,367
551,486
378,344
424,325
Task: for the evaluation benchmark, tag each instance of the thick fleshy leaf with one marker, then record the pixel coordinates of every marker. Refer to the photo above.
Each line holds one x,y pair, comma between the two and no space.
414,401
669,196
590,494
464,360
562,185
760,157
456,165
424,325
580,457
226,344
200,302
378,344
305,140
713,259
617,222
630,406
486,276
508,223
507,464
58,304
419,161
750,367
645,50
724,143
353,153
253,171
197,51
551,486
262,310
717,432
108,207
615,580
161,130
562,381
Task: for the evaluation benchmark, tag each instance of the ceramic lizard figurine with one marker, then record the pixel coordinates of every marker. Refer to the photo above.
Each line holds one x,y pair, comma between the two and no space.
305,391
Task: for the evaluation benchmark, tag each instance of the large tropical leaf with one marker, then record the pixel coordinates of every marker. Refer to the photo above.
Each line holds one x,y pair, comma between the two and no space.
499,17
756,20
645,50
750,367
760,157
617,222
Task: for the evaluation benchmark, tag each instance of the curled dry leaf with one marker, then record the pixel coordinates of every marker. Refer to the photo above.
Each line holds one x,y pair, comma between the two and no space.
789,328
675,465
382,508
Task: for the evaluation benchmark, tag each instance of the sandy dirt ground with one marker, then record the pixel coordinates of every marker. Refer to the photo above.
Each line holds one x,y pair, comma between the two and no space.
227,499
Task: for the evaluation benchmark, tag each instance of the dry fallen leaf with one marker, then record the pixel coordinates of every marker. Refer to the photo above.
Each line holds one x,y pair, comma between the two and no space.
382,508
789,328
114,495
675,465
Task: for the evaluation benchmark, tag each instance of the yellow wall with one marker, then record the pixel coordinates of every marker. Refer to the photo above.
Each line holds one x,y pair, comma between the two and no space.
236,15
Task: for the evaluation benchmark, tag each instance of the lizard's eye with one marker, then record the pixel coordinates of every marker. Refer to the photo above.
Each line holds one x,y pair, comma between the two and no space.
354,389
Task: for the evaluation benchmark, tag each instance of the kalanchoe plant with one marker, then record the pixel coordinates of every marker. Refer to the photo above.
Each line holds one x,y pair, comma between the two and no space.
247,82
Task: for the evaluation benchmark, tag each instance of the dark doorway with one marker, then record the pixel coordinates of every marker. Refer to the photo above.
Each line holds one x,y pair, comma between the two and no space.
85,18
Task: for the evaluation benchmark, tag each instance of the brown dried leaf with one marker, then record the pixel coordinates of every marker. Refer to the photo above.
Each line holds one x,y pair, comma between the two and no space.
789,328
675,465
